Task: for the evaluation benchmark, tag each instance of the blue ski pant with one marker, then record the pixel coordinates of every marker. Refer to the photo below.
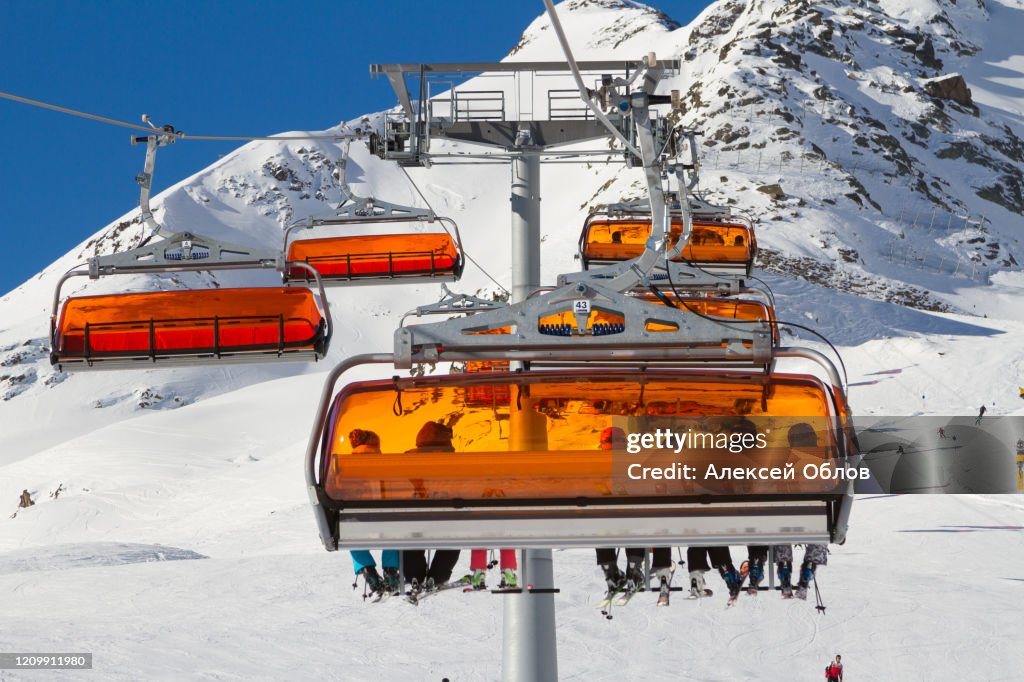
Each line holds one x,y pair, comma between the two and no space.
361,558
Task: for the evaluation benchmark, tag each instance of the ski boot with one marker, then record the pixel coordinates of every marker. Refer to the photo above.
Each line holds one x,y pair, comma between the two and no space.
785,577
664,584
479,580
635,577
756,573
613,577
616,583
509,580
732,580
697,588
414,593
806,576
374,583
614,580
391,585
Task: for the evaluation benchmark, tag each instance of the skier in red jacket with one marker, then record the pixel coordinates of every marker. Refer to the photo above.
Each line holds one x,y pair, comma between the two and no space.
834,671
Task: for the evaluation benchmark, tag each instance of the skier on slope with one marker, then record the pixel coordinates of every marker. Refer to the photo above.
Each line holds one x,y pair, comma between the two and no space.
981,413
834,670
368,442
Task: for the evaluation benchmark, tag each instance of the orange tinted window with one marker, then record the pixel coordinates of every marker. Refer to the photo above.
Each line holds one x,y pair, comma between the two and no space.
400,254
709,242
189,319
559,454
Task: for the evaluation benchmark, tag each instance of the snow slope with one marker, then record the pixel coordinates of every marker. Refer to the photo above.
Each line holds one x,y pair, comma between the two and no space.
181,544
171,555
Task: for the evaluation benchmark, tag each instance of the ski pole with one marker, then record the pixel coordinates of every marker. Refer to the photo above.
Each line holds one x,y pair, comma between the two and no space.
817,596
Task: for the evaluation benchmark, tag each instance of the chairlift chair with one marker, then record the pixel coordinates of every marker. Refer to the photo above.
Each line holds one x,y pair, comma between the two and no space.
716,244
383,257
187,326
541,479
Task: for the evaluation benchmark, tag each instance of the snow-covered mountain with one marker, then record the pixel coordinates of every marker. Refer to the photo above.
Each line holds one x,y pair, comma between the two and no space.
897,236
891,193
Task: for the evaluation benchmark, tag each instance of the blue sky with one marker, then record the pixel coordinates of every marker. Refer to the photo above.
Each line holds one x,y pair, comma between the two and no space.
217,67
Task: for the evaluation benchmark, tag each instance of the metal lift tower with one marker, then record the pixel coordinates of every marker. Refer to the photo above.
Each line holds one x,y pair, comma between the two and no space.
523,113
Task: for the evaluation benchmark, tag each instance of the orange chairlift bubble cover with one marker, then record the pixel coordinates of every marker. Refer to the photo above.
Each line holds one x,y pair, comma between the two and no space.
410,253
709,242
184,320
564,458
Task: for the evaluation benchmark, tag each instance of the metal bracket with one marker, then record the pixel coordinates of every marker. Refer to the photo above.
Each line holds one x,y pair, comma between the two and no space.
363,209
664,275
640,208
185,251
689,337
453,304
356,208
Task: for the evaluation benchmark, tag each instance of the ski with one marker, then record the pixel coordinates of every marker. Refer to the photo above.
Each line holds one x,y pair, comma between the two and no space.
663,594
608,597
415,596
734,593
707,593
625,597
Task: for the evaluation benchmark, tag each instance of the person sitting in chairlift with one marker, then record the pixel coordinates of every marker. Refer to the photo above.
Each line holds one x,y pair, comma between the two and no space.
432,437
614,438
368,442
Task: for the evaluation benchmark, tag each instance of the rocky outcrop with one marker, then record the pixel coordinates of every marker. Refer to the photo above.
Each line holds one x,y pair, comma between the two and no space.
952,87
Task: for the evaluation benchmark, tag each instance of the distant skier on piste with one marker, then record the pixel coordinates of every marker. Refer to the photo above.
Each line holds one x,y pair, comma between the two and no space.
981,413
834,670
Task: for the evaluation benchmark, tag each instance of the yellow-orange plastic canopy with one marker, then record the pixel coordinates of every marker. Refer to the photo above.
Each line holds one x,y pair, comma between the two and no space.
560,435
188,320
380,255
616,240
